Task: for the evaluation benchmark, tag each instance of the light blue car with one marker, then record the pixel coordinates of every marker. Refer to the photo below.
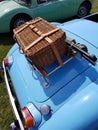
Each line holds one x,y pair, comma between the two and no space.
67,99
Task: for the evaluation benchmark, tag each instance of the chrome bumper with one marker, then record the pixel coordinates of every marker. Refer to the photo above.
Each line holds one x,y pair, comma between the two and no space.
12,99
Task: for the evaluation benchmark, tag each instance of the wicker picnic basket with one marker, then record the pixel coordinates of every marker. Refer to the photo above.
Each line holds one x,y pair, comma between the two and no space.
41,42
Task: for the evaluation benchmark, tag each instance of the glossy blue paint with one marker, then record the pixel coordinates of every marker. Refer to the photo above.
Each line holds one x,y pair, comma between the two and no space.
81,32
40,93
36,114
72,91
79,113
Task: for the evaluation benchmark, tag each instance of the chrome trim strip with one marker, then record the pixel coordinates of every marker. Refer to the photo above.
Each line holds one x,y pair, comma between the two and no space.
12,99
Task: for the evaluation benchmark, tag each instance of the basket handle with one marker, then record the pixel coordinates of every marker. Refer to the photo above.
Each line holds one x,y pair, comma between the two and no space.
40,38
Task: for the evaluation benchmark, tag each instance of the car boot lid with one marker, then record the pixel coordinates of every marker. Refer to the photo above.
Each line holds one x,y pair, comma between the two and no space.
89,35
37,88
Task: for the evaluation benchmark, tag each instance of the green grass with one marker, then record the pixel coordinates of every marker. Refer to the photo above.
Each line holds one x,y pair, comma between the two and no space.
6,115
95,7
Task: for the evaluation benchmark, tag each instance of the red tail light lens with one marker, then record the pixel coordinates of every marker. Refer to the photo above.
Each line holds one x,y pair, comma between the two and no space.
29,121
5,61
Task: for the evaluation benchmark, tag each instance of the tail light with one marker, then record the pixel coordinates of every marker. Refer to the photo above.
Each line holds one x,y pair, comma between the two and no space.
28,119
6,61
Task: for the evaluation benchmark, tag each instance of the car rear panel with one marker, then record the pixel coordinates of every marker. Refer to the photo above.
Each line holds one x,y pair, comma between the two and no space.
69,84
31,87
72,92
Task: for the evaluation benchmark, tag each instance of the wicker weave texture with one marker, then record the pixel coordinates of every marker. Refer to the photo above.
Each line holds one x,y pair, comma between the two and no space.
40,41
